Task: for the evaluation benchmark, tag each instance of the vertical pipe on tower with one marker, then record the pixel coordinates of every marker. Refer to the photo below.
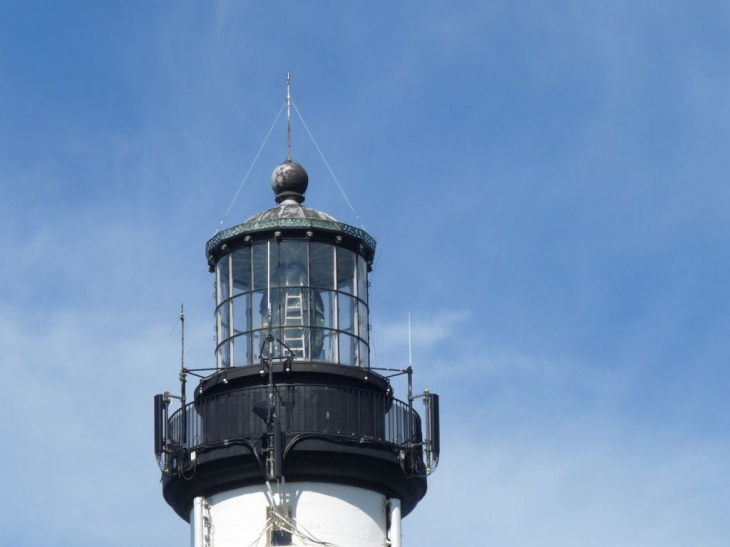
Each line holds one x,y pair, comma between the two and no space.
394,534
196,523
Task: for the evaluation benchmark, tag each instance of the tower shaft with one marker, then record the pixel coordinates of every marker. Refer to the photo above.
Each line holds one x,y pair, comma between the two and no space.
300,513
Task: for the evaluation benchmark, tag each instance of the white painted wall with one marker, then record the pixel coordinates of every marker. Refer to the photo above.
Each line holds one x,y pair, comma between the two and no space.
345,516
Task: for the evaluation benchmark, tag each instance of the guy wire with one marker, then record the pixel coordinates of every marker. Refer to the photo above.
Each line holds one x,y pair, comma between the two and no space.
249,170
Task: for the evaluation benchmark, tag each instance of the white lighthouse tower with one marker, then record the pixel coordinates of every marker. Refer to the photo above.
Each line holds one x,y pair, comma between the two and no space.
292,438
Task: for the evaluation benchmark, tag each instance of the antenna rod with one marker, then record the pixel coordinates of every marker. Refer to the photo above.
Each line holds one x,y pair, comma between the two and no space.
410,354
182,339
288,117
409,370
183,378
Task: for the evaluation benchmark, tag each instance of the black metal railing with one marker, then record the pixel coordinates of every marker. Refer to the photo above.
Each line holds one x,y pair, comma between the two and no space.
302,409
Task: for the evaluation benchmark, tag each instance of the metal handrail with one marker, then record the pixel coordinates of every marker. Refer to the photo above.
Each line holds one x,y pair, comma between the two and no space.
302,409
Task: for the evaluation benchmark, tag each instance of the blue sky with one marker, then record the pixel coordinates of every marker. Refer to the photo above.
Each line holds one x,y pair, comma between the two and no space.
547,187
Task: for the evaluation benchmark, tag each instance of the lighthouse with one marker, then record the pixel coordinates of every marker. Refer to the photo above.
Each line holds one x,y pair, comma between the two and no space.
291,437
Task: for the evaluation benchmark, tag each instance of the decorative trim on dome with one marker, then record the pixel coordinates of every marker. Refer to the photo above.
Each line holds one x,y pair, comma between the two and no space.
268,224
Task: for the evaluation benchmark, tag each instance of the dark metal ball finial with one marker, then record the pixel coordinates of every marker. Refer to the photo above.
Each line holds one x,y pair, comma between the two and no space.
289,182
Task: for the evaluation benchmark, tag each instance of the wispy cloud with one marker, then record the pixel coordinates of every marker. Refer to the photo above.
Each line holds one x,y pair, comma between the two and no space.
583,481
